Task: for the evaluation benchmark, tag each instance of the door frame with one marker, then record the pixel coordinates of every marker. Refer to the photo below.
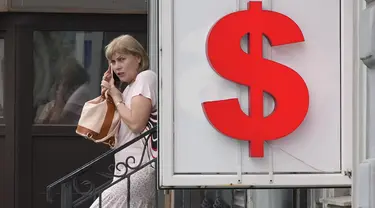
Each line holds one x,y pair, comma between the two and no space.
7,129
19,128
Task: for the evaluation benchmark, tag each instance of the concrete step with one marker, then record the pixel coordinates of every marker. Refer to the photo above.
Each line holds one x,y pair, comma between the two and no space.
239,198
336,202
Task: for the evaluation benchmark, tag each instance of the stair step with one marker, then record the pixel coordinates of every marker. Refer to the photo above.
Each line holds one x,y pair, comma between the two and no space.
338,201
239,198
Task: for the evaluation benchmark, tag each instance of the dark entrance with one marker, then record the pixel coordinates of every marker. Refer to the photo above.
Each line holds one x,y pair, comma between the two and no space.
40,52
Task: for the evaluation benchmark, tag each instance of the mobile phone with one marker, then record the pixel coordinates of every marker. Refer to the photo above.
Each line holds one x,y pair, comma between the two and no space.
115,77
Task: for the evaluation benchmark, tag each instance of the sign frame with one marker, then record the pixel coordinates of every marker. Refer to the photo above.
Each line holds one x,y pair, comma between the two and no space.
168,179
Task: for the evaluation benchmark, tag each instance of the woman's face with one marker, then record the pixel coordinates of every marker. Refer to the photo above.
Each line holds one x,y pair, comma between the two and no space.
125,66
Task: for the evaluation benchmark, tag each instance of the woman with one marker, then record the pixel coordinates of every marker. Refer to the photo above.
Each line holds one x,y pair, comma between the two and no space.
129,61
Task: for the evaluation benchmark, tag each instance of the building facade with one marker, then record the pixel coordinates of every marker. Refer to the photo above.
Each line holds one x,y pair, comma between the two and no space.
42,44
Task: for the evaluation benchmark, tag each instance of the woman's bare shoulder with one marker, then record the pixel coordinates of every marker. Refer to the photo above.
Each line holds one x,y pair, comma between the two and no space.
147,76
148,73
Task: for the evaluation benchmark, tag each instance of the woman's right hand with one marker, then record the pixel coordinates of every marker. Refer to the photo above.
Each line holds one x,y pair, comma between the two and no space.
106,77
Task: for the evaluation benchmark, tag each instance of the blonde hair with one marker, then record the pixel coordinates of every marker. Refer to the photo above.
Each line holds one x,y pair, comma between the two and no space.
126,44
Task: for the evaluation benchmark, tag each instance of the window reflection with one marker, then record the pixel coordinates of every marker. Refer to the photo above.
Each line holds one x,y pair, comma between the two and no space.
61,80
68,67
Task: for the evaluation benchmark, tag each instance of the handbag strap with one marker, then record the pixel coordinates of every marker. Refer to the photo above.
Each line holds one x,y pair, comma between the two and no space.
110,134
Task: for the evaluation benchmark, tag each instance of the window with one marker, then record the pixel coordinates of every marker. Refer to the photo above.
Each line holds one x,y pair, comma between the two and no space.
68,68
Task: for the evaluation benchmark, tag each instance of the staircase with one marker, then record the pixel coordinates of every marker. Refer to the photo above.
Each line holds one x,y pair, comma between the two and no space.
75,192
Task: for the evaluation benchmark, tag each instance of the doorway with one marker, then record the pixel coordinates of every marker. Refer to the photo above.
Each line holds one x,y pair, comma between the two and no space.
42,51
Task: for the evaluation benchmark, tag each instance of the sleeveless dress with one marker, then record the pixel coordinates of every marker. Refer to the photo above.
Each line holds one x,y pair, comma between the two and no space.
143,182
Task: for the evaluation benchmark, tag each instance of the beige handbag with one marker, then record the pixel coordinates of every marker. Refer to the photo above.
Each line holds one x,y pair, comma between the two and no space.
99,120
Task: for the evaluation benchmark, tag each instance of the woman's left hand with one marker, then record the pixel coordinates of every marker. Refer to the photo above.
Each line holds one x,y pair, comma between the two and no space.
114,92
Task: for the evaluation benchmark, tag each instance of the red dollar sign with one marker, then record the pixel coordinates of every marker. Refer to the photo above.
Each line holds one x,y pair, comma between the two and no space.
261,75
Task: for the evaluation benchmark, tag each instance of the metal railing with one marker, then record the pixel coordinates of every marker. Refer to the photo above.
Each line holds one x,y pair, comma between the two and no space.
71,187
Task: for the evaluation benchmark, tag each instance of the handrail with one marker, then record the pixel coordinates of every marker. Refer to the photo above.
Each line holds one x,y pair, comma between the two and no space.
69,177
107,185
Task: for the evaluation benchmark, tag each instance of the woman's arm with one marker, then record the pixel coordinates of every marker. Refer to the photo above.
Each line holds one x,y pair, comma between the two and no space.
56,111
143,98
135,118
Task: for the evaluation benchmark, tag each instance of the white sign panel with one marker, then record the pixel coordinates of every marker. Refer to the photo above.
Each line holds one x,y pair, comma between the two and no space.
194,154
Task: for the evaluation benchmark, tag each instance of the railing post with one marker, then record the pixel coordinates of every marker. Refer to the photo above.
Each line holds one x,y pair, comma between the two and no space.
66,195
